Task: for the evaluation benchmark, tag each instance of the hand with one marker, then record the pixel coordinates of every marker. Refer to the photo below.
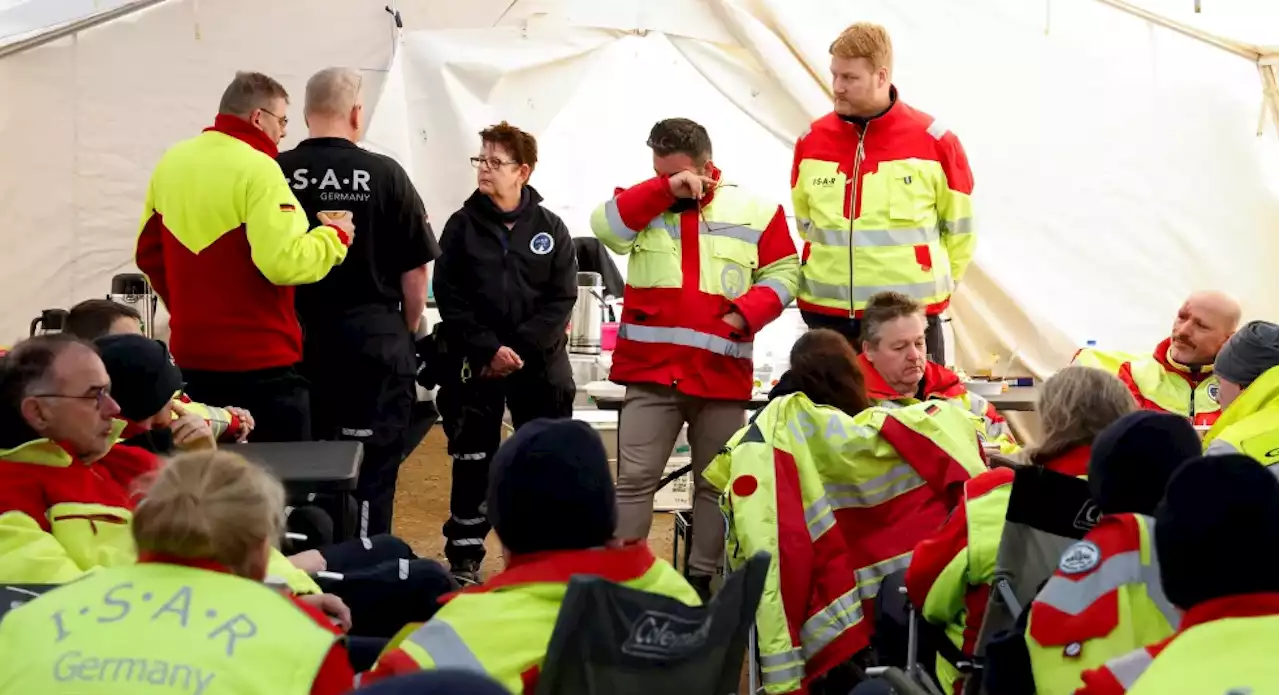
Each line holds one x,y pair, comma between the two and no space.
688,184
332,606
246,421
735,320
309,561
190,431
504,361
340,219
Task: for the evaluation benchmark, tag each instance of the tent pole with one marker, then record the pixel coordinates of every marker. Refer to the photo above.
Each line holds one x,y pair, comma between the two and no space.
76,26
1247,51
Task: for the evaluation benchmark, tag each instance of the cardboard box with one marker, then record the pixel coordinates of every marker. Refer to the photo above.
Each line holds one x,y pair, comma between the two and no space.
678,495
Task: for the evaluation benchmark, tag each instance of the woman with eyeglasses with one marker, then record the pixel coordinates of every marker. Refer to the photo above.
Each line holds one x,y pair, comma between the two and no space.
505,286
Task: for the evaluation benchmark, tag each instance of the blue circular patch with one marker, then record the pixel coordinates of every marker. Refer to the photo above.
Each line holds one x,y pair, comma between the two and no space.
542,243
1213,391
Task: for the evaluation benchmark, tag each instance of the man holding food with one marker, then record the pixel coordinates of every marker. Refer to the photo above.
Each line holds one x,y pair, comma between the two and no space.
223,241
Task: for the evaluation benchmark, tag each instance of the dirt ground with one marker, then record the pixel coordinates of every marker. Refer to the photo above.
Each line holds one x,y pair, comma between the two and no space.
422,506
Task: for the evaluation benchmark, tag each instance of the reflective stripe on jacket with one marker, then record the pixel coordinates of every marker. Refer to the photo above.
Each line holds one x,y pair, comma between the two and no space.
685,272
838,502
1159,383
881,207
1104,600
1251,424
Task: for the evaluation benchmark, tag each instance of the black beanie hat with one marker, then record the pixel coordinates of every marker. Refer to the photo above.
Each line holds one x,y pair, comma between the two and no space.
1131,461
437,682
143,375
550,488
1216,531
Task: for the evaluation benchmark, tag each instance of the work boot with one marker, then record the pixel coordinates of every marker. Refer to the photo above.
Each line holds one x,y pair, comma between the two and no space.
701,583
466,572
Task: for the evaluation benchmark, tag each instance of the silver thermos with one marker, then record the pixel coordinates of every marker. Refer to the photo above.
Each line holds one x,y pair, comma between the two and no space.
51,321
132,289
588,315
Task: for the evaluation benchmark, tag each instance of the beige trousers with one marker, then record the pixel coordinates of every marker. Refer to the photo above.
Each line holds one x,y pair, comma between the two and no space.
648,426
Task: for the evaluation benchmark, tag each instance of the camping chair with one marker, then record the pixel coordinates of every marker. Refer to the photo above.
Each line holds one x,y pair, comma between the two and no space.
1047,513
14,595
610,639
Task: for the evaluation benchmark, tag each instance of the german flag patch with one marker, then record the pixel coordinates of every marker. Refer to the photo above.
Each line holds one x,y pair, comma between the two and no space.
287,207
931,409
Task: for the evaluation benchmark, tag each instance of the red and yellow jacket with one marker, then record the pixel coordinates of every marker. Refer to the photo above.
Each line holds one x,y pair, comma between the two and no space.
950,575
1227,645
881,206
223,240
504,625
685,272
940,383
1159,383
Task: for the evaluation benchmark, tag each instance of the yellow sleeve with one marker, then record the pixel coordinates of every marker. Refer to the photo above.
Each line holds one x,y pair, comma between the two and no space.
799,198
217,418
299,582
31,555
609,228
276,225
955,205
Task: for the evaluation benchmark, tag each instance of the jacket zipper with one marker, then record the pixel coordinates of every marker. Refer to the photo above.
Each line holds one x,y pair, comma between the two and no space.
853,209
93,520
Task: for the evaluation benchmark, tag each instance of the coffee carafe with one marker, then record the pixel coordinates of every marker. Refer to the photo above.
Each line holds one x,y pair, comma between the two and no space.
49,321
588,315
133,290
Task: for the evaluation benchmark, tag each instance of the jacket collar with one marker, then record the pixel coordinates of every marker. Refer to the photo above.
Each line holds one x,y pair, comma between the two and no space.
890,112
937,381
1164,356
245,132
618,565
46,452
1073,462
1238,606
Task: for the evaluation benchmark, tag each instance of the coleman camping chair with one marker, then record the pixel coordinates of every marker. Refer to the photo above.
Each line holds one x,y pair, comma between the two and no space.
610,639
14,595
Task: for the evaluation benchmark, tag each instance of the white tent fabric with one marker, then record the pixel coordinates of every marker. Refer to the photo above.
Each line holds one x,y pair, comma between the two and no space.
1117,163
85,117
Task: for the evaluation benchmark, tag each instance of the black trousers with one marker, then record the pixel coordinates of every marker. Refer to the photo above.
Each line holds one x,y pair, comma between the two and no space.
384,583
851,329
278,398
471,413
361,366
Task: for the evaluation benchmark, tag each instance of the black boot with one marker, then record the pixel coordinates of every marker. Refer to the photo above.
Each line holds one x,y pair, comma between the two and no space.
701,583
466,572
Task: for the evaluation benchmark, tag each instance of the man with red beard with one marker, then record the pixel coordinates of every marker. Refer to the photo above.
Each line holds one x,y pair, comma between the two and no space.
1178,377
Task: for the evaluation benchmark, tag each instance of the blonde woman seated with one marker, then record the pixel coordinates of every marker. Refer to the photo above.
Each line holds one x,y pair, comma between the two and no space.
193,613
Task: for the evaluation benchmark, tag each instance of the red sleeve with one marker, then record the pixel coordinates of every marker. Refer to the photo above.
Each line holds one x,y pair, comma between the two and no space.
638,205
993,415
390,664
335,676
149,256
932,555
761,304
955,164
23,493
796,156
1099,681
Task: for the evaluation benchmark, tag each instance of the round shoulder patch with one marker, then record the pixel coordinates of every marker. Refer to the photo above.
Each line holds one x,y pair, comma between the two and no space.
1081,557
1212,388
542,243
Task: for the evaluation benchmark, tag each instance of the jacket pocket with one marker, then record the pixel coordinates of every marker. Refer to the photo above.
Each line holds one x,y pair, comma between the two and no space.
655,260
734,263
911,199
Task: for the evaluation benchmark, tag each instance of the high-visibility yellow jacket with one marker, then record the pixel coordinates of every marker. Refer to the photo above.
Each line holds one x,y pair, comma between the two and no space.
1104,601
1157,382
686,270
838,502
951,572
881,206
1251,424
1226,645
139,628
502,627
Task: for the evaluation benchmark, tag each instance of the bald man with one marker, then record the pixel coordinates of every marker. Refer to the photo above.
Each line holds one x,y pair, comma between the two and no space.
1178,377
358,351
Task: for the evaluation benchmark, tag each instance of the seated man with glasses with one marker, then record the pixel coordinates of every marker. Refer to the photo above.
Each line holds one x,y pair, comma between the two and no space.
66,502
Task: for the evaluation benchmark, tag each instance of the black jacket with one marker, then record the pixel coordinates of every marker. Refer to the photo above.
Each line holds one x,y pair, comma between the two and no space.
496,286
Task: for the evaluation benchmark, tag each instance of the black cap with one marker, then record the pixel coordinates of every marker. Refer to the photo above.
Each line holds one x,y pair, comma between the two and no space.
550,488
1216,531
143,375
1131,461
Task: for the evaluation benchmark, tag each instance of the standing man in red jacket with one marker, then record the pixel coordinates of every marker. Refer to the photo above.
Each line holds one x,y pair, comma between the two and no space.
223,241
708,266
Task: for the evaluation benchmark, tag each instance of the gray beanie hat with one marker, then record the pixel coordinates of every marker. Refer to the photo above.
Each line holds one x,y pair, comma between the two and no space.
1251,351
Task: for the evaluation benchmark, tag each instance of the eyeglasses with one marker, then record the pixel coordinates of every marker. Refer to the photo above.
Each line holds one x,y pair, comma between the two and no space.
491,162
100,395
284,120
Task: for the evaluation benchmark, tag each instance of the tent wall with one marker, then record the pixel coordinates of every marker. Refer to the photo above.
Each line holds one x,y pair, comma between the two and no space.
85,117
1117,164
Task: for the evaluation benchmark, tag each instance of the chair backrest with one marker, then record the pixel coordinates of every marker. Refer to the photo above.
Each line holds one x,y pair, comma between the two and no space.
1048,512
611,639
14,595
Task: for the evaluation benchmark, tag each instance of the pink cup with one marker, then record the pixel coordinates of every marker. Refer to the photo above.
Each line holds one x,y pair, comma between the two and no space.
608,336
